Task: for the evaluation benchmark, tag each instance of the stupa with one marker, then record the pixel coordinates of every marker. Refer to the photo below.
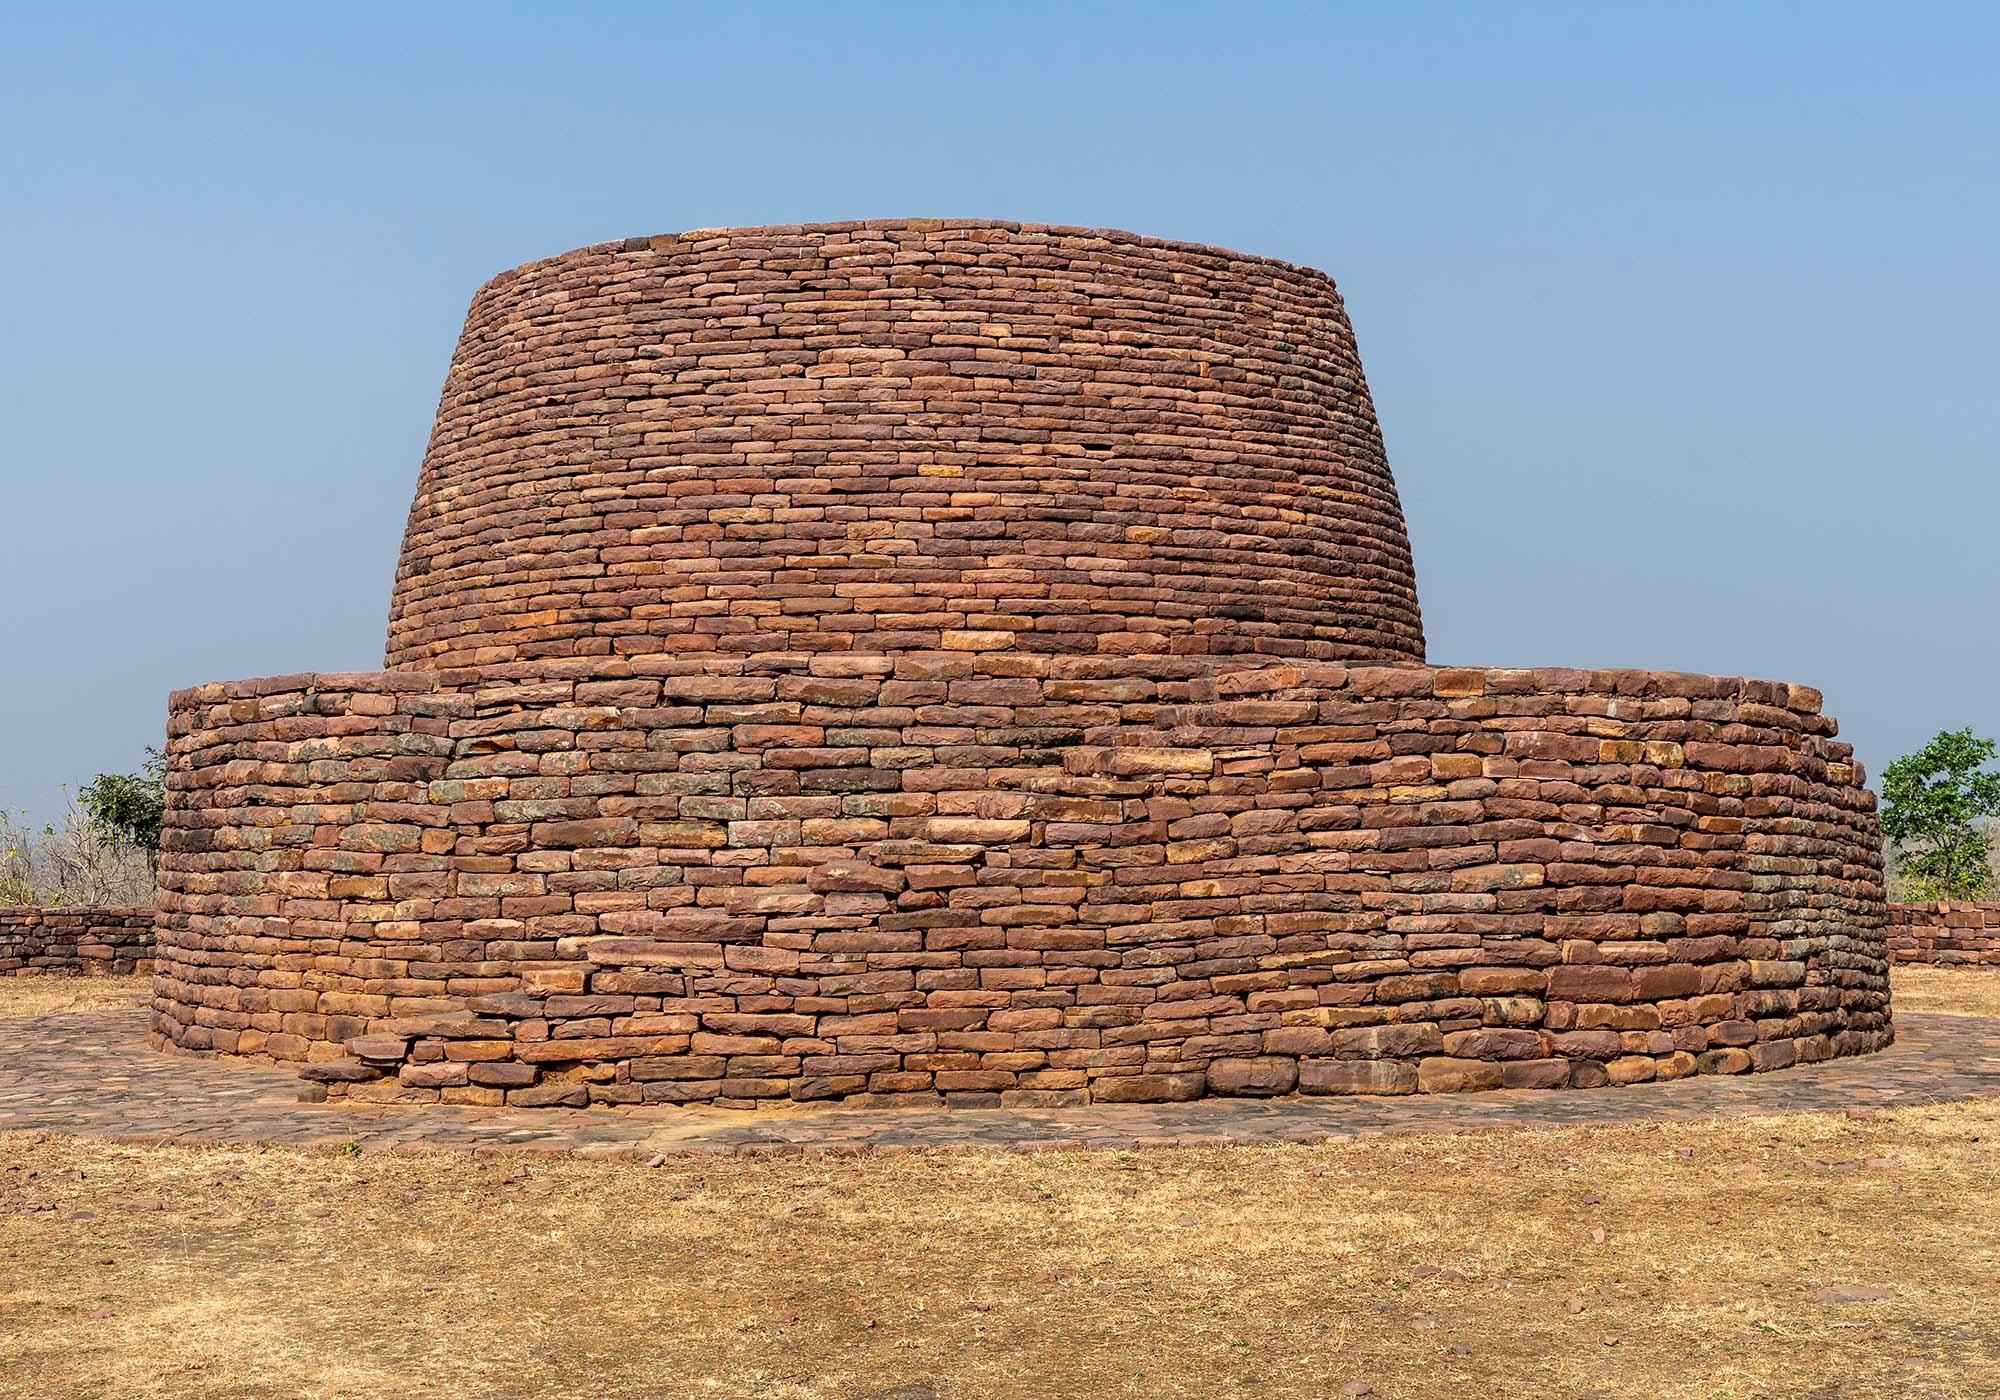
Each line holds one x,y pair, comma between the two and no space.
977,660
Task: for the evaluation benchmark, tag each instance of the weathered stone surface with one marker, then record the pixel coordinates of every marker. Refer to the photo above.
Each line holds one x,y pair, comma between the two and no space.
1953,933
1068,920
75,939
1357,1077
1494,1044
1148,1088
338,1071
439,1074
983,665
1388,1042
1444,1074
1258,1076
378,1048
982,373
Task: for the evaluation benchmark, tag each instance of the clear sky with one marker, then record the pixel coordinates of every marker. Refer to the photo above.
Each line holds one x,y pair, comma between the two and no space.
1680,319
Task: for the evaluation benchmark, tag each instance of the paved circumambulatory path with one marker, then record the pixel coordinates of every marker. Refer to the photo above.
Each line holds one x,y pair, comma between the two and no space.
91,1074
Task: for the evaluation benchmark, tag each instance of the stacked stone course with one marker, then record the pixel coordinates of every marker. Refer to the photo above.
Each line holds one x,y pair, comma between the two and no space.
977,661
900,436
75,939
1018,878
1956,933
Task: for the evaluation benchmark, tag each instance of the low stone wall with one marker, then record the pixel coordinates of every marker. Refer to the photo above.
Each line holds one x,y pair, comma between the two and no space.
75,940
1013,879
1952,933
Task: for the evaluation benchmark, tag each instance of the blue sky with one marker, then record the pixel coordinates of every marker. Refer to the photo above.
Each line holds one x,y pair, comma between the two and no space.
1680,319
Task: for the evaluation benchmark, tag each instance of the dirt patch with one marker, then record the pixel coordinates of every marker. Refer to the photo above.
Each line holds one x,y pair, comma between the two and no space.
1961,991
1756,1259
1770,1257
43,996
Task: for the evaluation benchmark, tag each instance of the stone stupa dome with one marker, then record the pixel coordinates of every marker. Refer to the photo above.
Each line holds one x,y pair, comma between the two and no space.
974,660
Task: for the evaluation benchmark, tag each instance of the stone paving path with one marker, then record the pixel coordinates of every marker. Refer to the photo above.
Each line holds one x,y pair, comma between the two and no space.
91,1074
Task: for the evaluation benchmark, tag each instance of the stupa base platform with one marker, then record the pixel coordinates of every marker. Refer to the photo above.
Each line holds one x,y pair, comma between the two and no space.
997,877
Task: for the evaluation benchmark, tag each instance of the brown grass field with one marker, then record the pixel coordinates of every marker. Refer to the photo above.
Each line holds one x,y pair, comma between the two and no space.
1955,991
1809,1257
40,996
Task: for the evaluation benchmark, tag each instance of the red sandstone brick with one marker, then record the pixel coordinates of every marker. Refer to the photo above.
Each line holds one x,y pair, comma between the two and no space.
1034,787
1388,1042
1255,1076
1147,1088
1445,1075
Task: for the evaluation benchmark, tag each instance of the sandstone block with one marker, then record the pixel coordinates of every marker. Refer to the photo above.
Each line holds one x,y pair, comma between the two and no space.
1388,1042
1176,1087
1357,1077
1442,1074
1258,1076
1494,1045
852,706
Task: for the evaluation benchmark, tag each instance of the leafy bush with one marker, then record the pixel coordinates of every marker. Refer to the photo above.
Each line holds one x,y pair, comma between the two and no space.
1937,806
127,808
69,862
105,850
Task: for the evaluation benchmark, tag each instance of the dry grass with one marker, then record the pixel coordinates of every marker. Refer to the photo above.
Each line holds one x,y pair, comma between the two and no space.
1690,1261
1809,1257
42,996
1961,991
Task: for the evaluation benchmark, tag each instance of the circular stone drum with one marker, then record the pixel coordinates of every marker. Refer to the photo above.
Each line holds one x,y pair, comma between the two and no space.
895,436
974,661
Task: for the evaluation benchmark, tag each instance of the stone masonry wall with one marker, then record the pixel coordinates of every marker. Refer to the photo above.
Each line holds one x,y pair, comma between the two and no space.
1956,933
1005,877
905,435
977,660
79,939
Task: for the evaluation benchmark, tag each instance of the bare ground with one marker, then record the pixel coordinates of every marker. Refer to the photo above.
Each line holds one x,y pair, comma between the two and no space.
41,996
1963,991
1788,1258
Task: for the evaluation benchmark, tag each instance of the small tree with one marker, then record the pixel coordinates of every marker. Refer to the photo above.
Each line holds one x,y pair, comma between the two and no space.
17,861
1935,803
69,862
127,809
